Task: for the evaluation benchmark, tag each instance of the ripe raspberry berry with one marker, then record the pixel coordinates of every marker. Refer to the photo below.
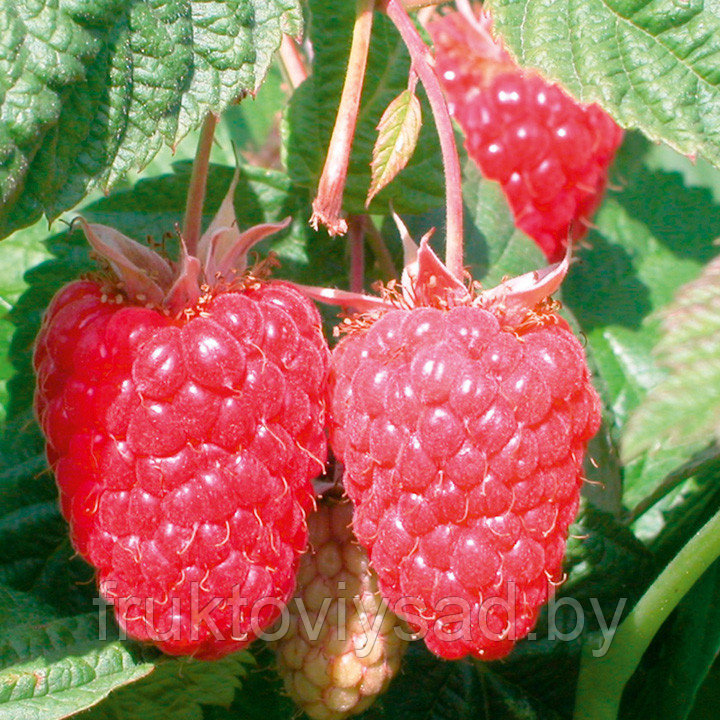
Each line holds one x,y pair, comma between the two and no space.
184,436
550,153
462,423
336,658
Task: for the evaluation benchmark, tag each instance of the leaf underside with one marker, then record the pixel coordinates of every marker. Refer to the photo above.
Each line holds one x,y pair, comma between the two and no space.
684,407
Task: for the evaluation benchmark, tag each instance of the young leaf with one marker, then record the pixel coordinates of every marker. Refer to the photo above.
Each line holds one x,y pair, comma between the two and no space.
92,90
684,408
651,65
398,132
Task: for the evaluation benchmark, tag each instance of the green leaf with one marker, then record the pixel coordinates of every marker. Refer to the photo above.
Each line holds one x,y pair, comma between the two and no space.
24,479
19,608
651,65
494,246
262,696
433,689
684,408
310,116
651,238
31,532
398,132
177,688
17,253
54,667
696,172
602,469
708,696
65,580
671,522
91,90
604,561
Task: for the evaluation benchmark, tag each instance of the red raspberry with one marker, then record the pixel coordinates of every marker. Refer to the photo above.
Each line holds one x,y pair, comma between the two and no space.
342,645
550,153
183,446
463,437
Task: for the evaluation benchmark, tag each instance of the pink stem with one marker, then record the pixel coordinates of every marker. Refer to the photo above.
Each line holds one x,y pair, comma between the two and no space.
421,61
198,182
292,62
328,203
417,4
356,237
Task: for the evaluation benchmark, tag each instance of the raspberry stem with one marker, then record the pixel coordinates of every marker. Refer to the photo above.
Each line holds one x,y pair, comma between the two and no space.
292,62
198,182
419,53
328,203
603,679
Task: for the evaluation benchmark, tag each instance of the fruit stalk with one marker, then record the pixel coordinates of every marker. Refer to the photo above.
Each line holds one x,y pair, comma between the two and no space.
419,54
198,182
292,62
603,679
328,203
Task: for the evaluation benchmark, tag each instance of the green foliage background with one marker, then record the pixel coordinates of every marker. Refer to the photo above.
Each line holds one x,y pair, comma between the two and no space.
655,67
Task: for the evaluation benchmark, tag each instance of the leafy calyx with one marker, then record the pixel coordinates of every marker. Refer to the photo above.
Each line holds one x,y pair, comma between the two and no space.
147,278
427,282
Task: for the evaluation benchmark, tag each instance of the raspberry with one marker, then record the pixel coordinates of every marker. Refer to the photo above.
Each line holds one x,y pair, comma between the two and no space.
463,428
183,445
550,153
341,667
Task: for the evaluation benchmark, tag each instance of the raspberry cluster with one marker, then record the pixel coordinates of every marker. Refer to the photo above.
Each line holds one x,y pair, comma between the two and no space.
463,441
550,153
183,449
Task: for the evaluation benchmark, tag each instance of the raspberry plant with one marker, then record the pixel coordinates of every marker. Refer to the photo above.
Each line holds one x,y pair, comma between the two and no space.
103,107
